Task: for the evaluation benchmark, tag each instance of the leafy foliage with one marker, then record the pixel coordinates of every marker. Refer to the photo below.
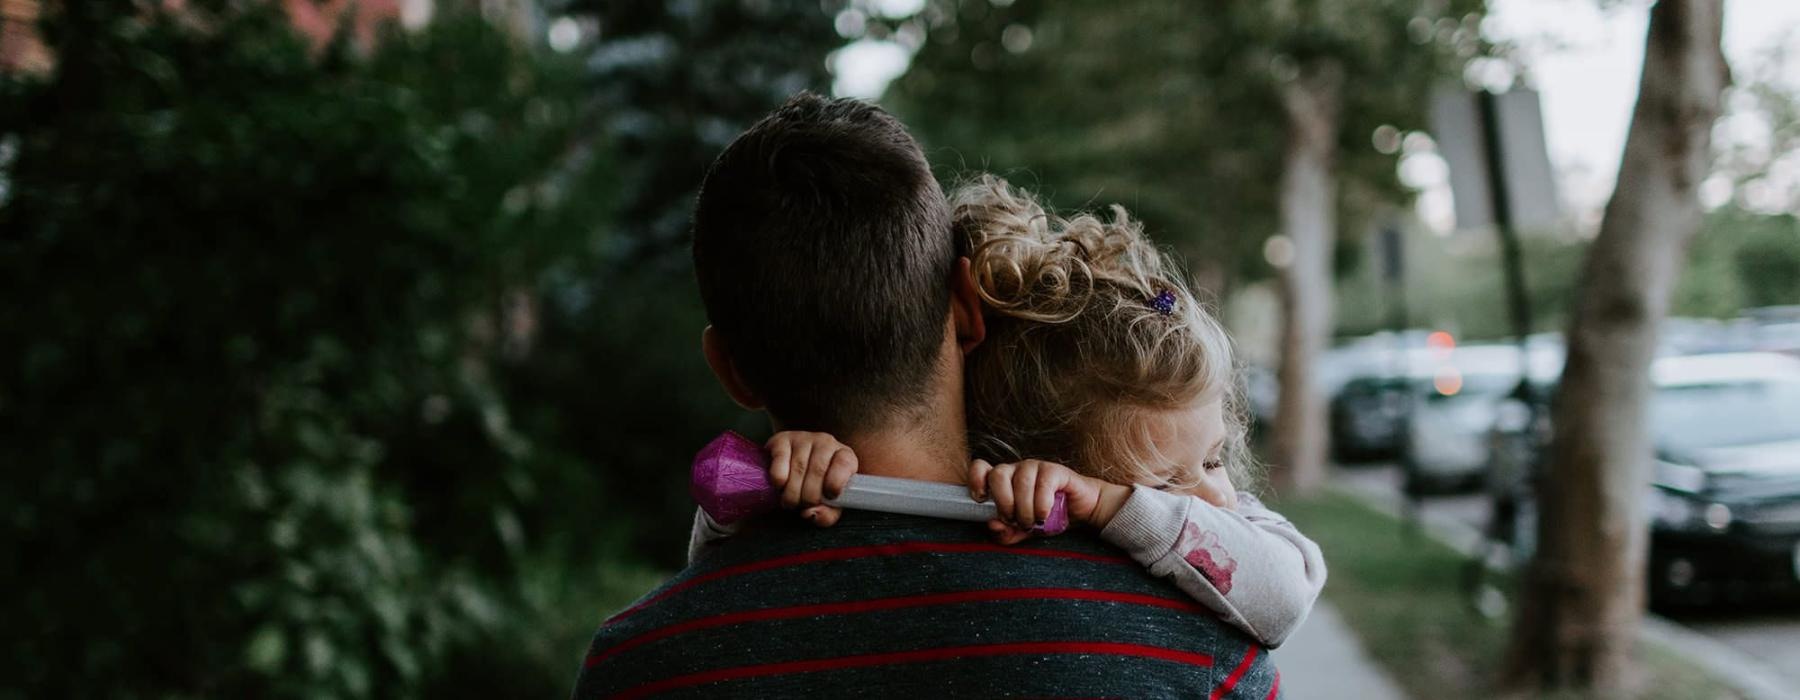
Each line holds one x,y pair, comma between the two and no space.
616,380
1172,108
681,79
1741,259
257,300
337,372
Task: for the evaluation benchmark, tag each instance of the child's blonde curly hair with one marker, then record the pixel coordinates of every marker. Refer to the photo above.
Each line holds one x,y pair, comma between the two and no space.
1077,349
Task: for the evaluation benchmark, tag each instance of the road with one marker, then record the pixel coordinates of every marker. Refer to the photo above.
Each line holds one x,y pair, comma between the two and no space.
1770,634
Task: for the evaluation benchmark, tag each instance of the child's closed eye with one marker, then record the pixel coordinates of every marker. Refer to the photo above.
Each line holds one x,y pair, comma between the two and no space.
1212,464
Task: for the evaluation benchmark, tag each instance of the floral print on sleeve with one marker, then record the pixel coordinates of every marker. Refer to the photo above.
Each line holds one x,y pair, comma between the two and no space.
1203,551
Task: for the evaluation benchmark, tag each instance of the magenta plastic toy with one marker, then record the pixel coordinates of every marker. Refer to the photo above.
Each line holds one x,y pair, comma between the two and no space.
731,479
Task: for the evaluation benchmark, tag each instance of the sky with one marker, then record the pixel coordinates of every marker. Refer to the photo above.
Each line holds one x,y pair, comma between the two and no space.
1585,62
1583,56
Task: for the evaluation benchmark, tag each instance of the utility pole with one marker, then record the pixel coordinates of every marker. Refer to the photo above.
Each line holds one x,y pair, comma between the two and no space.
1511,254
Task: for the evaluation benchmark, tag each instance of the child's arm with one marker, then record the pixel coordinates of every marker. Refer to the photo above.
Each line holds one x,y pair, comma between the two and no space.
1251,564
808,468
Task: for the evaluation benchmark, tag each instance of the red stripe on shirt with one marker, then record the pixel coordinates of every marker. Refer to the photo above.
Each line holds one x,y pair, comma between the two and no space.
1275,690
922,655
1237,674
893,603
880,550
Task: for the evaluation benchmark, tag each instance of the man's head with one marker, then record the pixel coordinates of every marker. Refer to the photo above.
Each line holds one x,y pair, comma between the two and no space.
824,256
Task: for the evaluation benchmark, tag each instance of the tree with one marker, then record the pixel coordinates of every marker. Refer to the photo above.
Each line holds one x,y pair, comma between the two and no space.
1094,103
1583,598
1312,105
1763,136
252,449
1217,122
1336,69
678,81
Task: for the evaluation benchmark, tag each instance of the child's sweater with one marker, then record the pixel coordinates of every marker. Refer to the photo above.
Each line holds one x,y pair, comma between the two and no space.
1250,565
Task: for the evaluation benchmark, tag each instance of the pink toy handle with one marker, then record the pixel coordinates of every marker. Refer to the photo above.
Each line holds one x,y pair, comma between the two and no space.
731,483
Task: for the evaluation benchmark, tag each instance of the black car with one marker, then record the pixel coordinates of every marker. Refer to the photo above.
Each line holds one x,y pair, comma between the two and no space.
1725,499
1368,416
1725,510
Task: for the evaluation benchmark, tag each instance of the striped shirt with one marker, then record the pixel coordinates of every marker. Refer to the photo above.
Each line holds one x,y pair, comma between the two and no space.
891,605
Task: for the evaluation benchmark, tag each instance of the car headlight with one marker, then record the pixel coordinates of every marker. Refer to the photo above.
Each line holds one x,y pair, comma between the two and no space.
1717,516
1674,510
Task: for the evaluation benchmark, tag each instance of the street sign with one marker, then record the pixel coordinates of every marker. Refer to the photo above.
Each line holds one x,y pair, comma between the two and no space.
1469,128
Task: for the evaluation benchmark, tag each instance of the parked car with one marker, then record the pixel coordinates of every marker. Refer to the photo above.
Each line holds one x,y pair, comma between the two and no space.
1725,496
1779,337
1356,359
1446,440
1725,507
1368,417
1374,379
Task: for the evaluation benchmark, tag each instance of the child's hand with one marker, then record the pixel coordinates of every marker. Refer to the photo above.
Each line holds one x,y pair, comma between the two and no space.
1025,492
809,468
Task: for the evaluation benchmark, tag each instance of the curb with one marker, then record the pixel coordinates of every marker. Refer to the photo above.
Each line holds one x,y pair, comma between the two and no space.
1746,674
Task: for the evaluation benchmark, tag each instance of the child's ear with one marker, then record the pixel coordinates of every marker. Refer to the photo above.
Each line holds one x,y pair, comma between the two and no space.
712,344
965,307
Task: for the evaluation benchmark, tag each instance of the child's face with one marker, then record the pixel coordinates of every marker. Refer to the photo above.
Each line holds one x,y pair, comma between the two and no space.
1193,439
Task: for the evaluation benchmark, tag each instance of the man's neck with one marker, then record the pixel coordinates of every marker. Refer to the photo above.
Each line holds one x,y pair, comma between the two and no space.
924,451
929,442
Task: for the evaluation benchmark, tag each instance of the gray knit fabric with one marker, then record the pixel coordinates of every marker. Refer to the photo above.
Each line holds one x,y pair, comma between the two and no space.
1250,565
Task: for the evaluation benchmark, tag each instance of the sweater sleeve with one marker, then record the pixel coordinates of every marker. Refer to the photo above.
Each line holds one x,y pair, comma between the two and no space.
1250,565
706,531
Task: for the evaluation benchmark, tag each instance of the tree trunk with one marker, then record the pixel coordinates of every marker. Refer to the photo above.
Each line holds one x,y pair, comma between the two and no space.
1311,104
1583,600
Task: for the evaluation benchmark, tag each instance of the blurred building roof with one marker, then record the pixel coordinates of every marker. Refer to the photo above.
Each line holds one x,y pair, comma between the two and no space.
319,20
22,47
22,50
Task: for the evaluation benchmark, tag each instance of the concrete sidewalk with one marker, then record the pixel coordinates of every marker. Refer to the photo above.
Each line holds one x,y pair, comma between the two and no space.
1324,659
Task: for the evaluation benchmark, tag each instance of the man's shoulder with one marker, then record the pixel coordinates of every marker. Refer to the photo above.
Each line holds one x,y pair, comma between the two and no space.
921,603
875,554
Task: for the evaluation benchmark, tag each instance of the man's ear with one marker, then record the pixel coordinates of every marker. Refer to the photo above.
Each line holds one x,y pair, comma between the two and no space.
965,308
712,344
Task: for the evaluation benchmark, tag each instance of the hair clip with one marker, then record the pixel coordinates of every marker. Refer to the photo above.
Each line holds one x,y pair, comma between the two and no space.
1163,302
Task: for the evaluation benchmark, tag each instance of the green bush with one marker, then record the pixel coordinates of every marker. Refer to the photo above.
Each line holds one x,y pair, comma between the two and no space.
256,298
1746,259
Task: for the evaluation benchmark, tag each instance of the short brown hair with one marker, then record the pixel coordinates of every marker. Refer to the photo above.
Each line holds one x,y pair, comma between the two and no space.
823,251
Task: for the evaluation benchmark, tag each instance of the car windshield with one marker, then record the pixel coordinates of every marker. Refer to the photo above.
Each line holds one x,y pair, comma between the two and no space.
1699,416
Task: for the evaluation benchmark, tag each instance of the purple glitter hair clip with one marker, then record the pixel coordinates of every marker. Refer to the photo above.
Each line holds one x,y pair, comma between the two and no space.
1163,302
